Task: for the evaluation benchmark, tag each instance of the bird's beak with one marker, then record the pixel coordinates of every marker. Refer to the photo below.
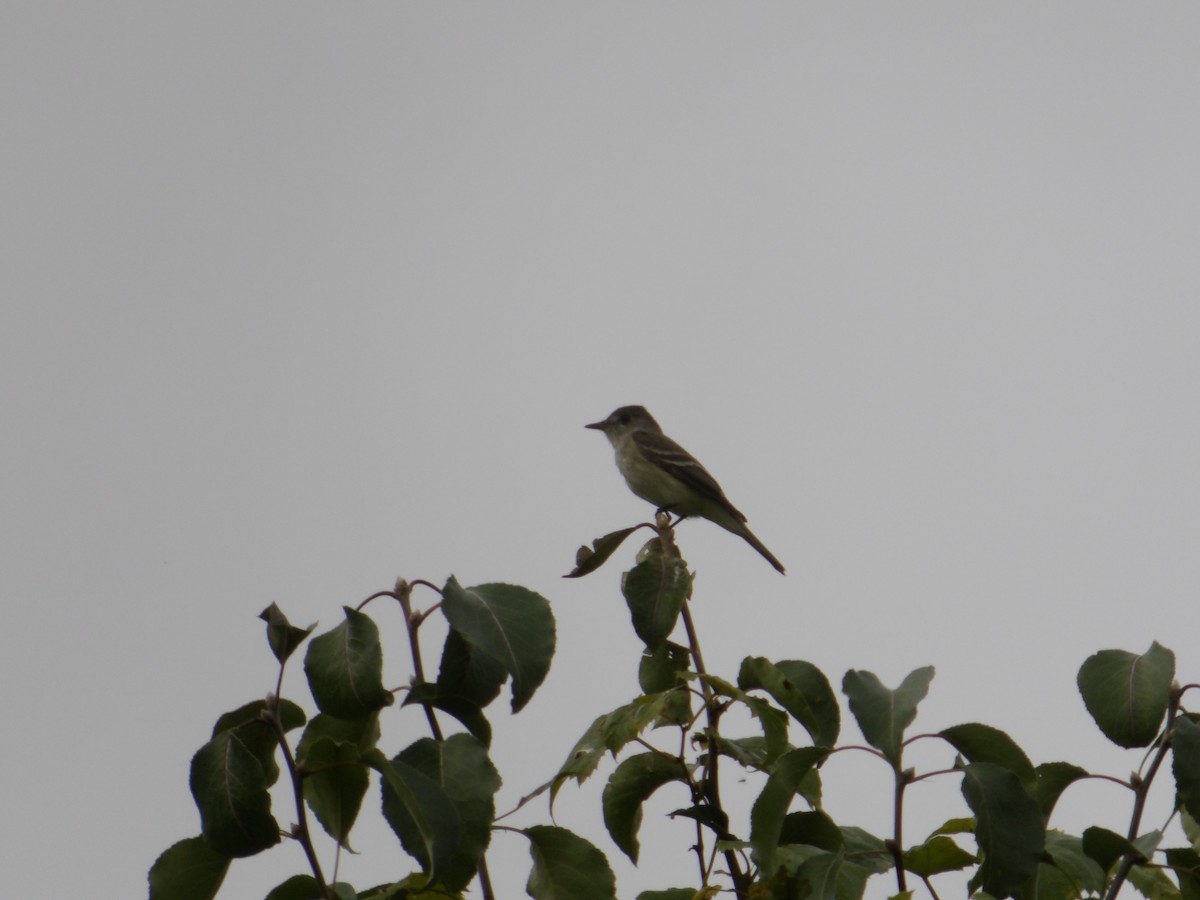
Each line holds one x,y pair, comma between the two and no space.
599,426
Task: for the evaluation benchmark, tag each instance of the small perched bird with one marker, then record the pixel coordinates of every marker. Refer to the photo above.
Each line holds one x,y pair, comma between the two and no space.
660,471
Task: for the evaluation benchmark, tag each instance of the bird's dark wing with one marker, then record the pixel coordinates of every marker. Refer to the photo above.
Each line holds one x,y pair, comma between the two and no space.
669,456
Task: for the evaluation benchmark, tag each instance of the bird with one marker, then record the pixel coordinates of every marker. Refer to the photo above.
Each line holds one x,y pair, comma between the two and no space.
661,472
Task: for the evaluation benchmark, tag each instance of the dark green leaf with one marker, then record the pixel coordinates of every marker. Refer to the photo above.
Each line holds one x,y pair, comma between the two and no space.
188,870
865,850
957,825
938,854
669,894
655,590
813,828
715,820
1052,779
345,668
230,785
589,559
800,688
567,867
772,720
282,635
467,673
1008,827
1185,862
362,734
983,743
883,714
470,715
455,783
583,759
511,624
767,815
1106,847
1185,763
253,727
1127,694
1153,883
298,887
630,784
1083,875
406,808
335,785
820,876
659,670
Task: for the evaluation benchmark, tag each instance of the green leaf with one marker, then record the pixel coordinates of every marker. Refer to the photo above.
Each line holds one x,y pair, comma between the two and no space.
589,559
298,887
335,785
630,784
1008,827
883,714
455,784
714,819
468,674
1081,871
230,785
661,672
188,870
670,894
813,828
251,723
282,635
938,854
362,734
767,815
983,743
866,850
510,624
1126,694
467,713
1185,862
655,590
1106,847
772,720
1052,779
1153,883
957,825
405,807
344,667
583,759
567,867
1185,763
800,688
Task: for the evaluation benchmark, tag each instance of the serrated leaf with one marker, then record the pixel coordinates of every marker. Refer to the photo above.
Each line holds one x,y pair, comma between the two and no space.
344,667
1153,883
510,624
629,786
820,876
1185,863
800,688
282,636
188,870
1106,847
588,560
229,786
454,784
567,866
983,743
1127,695
938,854
362,734
771,806
660,672
655,590
1008,827
583,759
406,806
715,820
334,785
866,850
884,714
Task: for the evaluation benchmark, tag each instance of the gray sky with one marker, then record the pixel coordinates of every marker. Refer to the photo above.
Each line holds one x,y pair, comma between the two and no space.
299,298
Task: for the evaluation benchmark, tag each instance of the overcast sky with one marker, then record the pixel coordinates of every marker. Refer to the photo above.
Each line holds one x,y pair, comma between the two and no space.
299,298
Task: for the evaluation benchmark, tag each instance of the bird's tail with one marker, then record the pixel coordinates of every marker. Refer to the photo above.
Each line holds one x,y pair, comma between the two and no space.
758,545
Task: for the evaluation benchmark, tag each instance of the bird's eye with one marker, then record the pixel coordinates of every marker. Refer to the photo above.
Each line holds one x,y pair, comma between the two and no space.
623,418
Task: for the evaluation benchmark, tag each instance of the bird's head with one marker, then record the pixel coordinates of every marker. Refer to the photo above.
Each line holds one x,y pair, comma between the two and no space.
625,420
